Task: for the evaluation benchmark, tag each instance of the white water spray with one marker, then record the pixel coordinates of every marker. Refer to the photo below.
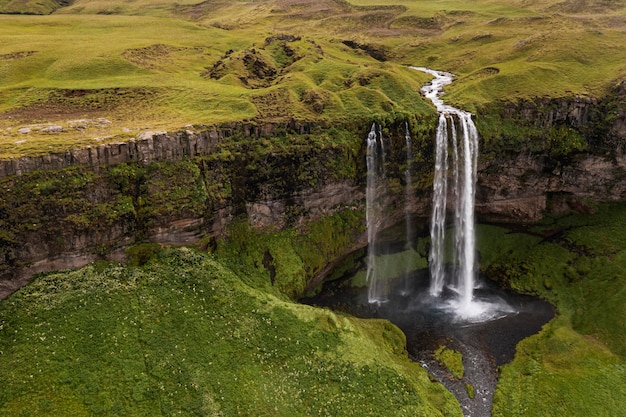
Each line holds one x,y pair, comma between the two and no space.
375,158
460,278
408,185
438,218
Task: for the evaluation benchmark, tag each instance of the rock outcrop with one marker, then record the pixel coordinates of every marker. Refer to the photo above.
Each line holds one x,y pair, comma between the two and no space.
64,210
67,209
573,157
525,186
148,147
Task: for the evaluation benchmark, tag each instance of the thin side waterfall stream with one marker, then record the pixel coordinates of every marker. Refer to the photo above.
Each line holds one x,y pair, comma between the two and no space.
375,197
431,289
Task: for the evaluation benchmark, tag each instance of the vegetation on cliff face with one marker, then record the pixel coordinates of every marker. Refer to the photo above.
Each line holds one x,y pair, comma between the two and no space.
577,364
284,262
184,335
78,210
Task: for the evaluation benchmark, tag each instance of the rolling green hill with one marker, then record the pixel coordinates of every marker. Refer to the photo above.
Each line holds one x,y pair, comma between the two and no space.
170,64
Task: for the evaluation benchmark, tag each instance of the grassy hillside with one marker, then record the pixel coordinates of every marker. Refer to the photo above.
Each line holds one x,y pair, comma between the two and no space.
37,7
165,65
183,335
577,364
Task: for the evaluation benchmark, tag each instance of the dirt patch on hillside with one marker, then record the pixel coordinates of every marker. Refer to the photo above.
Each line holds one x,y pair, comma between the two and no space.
58,104
16,55
154,56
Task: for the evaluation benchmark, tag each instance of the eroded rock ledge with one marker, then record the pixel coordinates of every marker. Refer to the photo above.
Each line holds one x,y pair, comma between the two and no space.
151,146
67,209
568,155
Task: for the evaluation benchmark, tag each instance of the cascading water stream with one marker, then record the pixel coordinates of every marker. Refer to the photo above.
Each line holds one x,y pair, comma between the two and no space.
438,219
375,182
452,256
408,188
460,278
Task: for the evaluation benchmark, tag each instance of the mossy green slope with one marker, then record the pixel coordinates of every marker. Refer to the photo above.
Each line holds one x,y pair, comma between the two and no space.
577,364
184,335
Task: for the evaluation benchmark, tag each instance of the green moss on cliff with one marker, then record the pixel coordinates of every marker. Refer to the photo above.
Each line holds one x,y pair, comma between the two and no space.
284,262
577,262
55,206
173,190
184,335
130,200
503,135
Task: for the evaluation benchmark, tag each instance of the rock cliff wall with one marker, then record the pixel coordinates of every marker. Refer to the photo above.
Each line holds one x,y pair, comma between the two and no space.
150,147
568,155
64,210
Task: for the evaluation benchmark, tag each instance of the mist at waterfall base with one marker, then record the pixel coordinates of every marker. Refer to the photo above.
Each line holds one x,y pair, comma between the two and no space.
451,290
452,276
425,319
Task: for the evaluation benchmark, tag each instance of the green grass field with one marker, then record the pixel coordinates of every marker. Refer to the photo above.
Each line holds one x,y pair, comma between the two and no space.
147,65
183,335
577,364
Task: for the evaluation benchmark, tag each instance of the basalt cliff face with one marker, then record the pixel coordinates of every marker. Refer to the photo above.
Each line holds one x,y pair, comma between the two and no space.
572,156
65,210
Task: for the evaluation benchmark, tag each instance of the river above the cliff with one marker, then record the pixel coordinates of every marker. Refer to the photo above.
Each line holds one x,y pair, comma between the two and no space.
428,325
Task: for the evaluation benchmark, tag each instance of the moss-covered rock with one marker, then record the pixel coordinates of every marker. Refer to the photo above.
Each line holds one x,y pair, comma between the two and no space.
185,335
577,262
451,359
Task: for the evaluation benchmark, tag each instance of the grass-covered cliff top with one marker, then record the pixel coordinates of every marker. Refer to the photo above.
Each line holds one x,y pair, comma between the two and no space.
165,65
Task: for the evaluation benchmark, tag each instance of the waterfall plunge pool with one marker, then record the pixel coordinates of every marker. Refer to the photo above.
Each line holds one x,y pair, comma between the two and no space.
485,340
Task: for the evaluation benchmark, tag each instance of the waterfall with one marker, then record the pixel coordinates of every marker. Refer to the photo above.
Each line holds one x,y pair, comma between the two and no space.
408,185
375,159
408,224
456,135
438,218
